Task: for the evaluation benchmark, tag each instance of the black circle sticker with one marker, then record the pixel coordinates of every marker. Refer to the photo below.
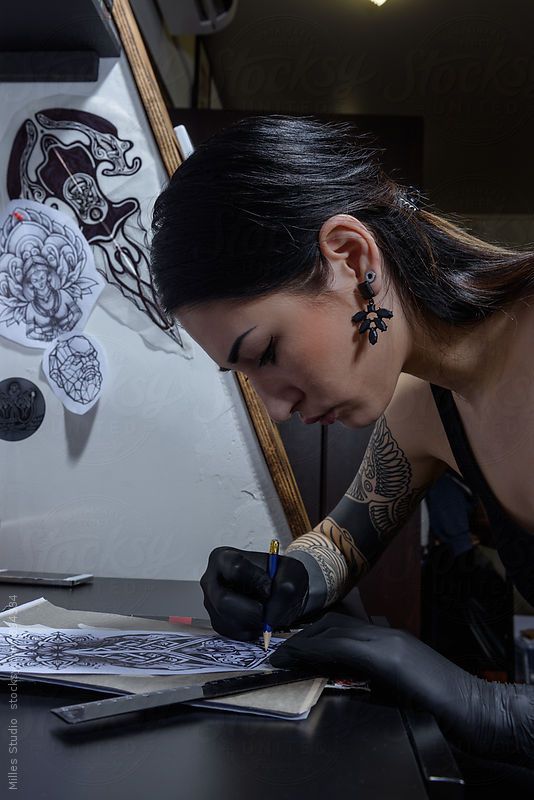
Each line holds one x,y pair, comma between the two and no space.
22,409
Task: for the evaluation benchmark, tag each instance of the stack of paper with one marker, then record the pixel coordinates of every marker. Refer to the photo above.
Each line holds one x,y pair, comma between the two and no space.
121,655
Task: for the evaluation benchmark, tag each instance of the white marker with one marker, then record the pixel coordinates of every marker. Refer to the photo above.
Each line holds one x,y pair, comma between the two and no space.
184,142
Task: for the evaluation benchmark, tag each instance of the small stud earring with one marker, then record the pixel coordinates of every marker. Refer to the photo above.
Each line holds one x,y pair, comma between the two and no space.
372,319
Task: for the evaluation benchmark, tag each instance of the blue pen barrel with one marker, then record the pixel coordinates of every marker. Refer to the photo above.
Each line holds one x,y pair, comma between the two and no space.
272,565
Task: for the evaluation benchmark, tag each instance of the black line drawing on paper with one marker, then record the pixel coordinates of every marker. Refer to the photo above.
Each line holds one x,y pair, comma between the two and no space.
42,276
22,409
122,652
74,366
67,157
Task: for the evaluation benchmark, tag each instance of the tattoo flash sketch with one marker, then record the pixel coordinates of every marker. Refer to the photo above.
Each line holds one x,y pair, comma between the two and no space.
75,366
48,281
76,161
22,409
112,652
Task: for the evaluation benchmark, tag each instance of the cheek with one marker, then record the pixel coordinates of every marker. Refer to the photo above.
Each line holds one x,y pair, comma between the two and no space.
328,347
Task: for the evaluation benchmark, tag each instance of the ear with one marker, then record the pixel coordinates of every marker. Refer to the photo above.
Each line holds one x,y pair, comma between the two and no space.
350,248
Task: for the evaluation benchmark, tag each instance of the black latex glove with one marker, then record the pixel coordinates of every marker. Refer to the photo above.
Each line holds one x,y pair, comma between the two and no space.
239,594
485,718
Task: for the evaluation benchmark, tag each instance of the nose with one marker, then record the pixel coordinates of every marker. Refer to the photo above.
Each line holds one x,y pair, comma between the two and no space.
279,401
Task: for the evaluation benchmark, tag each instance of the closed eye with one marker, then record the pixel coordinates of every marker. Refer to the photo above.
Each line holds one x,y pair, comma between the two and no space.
269,356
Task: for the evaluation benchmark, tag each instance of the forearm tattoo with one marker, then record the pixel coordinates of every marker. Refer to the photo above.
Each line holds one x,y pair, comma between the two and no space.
375,506
331,560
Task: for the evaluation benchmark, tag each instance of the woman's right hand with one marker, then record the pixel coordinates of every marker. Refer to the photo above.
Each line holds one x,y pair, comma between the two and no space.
240,596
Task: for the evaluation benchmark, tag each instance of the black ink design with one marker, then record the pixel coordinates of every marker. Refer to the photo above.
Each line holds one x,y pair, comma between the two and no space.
385,469
162,652
388,517
341,539
22,409
62,157
74,366
42,277
383,482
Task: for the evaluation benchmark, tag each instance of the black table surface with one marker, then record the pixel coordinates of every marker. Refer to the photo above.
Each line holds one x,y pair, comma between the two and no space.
350,745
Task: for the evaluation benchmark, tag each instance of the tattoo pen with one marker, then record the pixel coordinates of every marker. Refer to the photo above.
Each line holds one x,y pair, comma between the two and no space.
274,549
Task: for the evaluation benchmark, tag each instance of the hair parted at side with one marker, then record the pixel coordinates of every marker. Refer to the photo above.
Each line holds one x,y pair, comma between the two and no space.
240,218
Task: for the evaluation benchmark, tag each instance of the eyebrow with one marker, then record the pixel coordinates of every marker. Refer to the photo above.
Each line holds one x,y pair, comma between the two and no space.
233,355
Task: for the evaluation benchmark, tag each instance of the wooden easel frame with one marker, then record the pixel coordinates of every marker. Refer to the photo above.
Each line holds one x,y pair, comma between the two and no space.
159,120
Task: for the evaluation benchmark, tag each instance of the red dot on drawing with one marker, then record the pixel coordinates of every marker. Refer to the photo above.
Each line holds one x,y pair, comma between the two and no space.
18,215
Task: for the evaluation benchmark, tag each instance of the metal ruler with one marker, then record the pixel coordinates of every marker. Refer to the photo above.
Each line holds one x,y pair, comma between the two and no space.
111,707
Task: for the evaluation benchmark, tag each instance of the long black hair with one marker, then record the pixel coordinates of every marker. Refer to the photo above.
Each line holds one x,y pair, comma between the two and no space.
240,218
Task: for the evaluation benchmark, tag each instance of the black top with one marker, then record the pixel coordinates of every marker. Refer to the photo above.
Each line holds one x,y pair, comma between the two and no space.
514,545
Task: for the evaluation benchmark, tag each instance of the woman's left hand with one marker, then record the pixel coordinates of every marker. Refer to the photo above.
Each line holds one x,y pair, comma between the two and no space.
487,718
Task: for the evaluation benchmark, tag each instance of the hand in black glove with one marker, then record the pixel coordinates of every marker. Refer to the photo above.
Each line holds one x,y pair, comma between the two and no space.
486,718
239,594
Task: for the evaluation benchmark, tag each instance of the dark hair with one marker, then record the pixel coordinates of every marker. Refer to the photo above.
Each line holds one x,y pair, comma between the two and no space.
240,218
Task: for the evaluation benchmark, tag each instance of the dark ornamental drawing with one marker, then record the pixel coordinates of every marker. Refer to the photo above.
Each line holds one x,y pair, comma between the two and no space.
131,652
76,161
22,409
75,367
48,281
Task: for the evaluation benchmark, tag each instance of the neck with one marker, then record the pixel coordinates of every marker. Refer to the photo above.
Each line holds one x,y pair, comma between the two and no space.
471,362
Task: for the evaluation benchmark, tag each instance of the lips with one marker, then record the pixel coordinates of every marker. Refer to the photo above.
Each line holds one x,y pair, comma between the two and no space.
324,419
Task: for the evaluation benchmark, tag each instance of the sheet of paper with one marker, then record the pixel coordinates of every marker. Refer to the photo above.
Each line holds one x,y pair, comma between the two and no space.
75,366
48,280
294,699
95,160
133,652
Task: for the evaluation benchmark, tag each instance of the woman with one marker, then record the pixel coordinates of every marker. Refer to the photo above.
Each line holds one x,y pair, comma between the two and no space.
287,253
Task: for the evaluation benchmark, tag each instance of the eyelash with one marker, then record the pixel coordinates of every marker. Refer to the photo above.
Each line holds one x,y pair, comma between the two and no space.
269,356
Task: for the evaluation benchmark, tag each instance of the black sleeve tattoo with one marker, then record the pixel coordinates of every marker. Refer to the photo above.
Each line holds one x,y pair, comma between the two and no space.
374,508
384,483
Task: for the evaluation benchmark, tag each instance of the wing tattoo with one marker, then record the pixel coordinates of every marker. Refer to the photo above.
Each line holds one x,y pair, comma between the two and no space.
384,482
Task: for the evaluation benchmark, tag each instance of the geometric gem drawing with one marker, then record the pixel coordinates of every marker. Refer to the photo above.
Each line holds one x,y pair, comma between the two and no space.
76,161
48,281
22,409
113,652
75,366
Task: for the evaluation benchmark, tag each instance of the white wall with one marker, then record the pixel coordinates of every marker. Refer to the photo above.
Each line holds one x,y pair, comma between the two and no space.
167,465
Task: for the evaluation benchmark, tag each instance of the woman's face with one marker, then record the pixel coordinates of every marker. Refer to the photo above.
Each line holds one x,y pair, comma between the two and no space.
39,278
304,355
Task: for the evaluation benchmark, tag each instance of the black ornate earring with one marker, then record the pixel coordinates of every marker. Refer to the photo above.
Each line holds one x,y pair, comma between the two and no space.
372,320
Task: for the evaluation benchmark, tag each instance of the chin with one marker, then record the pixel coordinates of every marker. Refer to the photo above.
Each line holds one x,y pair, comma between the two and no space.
358,419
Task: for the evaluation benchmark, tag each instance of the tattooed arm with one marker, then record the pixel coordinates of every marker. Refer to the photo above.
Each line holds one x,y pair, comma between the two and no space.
396,470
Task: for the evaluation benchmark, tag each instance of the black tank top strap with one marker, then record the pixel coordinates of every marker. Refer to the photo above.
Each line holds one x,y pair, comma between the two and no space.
515,545
461,448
